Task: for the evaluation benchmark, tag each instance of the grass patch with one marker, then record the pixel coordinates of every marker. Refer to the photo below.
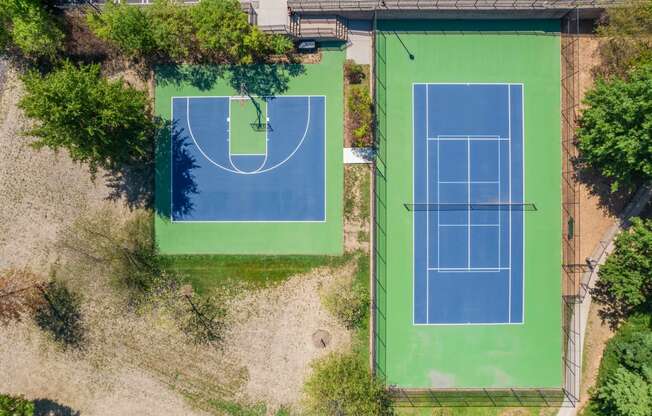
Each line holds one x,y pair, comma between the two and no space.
205,272
361,335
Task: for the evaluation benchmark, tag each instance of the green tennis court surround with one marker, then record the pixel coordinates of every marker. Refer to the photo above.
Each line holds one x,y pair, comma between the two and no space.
464,356
230,182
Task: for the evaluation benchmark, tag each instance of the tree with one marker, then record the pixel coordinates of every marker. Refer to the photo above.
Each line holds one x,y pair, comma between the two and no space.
173,29
100,122
127,27
626,277
625,394
341,384
626,33
60,314
15,406
224,33
29,27
615,129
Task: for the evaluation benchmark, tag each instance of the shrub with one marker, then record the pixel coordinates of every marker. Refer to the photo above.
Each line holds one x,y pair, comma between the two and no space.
625,282
60,314
361,116
103,123
15,406
615,133
348,302
354,72
341,384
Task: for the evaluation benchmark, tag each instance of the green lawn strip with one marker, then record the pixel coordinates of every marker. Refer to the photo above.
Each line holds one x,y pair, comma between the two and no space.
206,272
361,334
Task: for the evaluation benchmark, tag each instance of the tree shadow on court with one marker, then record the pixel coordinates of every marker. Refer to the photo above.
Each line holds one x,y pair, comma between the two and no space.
172,150
264,80
47,407
202,77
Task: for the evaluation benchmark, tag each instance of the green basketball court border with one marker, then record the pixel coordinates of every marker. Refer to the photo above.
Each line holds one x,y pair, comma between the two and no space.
469,356
275,238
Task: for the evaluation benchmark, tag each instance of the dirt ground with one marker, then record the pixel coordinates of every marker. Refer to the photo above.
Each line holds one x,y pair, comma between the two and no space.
136,363
595,220
356,218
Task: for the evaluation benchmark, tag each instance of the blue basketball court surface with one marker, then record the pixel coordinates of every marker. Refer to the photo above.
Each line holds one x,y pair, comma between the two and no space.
285,182
469,176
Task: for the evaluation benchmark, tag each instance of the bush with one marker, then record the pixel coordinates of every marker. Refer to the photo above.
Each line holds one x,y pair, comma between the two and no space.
348,302
342,385
627,37
625,282
354,72
615,133
127,27
361,116
15,406
103,123
60,314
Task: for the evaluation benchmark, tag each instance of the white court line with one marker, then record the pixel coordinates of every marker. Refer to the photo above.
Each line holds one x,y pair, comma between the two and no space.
467,269
468,190
467,225
509,113
467,138
471,182
264,170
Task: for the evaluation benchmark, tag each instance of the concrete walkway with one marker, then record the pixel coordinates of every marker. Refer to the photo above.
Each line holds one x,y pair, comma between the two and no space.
600,254
272,12
359,46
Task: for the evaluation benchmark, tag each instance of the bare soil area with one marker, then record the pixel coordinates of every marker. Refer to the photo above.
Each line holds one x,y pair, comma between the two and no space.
138,362
596,218
272,337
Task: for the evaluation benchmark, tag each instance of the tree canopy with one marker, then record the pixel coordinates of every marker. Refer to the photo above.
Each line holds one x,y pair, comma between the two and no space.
26,25
615,129
213,30
627,37
100,122
625,282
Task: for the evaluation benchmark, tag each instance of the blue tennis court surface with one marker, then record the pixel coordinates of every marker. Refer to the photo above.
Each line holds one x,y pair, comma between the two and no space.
468,151
283,183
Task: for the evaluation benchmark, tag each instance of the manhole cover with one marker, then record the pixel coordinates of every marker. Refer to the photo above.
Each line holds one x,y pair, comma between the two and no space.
321,338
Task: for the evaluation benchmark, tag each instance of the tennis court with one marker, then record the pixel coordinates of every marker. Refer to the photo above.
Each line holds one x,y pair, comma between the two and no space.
468,179
257,158
468,203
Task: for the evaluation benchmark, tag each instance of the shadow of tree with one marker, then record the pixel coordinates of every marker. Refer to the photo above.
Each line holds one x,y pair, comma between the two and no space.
172,150
202,77
612,202
47,407
264,80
